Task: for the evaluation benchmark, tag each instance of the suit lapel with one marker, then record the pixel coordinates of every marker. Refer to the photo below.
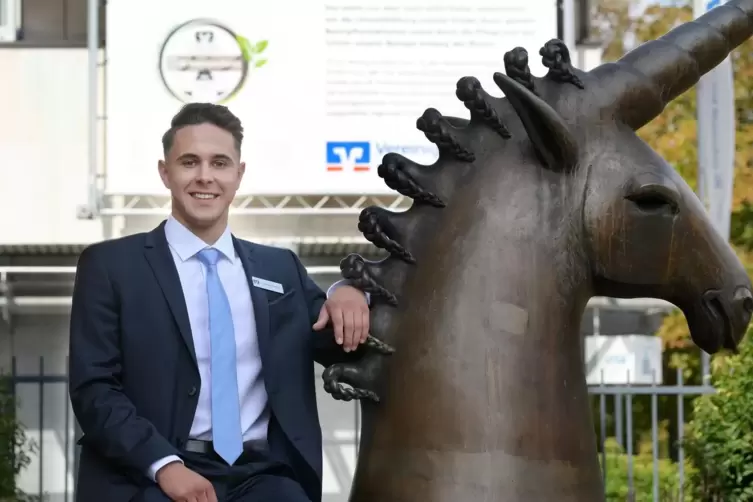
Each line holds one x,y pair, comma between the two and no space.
160,259
259,300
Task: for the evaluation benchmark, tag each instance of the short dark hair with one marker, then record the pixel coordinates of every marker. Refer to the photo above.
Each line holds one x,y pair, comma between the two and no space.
203,113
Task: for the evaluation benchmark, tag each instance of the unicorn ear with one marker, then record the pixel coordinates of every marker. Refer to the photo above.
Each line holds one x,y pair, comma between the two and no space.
552,140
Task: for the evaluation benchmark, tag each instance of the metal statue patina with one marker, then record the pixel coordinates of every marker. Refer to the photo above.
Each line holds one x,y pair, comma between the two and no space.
540,201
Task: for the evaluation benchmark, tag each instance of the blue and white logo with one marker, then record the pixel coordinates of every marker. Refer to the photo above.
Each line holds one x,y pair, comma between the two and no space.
348,156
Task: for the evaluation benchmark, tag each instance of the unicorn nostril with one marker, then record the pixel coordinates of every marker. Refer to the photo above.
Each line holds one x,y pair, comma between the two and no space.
744,298
748,305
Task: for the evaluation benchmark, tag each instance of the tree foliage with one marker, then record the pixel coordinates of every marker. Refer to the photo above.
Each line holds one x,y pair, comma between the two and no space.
719,440
15,448
617,486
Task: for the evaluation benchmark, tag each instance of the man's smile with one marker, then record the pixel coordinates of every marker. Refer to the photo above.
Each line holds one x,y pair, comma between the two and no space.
204,195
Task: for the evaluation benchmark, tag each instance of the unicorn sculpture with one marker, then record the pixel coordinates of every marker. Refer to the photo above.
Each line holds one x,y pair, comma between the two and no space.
473,385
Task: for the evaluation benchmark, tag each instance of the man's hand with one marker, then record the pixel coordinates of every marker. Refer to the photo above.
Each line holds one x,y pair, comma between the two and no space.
348,311
181,484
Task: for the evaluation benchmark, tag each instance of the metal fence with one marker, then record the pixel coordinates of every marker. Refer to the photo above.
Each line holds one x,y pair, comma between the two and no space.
619,411
43,408
623,399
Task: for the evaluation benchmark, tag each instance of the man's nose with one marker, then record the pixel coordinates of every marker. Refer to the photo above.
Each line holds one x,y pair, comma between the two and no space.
205,173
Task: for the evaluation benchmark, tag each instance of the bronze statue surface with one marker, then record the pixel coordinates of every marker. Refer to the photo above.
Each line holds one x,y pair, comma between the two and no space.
540,201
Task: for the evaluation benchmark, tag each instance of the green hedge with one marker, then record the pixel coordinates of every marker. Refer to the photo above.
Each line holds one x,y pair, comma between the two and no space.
643,476
719,439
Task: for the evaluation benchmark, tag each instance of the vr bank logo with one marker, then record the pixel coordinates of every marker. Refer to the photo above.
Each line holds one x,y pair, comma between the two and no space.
348,156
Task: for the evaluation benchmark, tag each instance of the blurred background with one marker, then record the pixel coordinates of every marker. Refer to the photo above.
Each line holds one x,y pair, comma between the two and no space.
325,88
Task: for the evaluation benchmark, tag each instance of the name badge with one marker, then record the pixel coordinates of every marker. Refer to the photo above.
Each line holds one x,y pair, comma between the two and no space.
268,285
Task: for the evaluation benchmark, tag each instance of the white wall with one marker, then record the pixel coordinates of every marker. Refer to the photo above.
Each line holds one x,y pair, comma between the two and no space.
43,146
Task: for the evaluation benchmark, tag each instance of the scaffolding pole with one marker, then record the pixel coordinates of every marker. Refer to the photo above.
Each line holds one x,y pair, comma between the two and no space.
91,210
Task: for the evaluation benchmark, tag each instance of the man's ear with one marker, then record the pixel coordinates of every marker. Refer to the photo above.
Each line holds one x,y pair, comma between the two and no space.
554,143
241,172
162,168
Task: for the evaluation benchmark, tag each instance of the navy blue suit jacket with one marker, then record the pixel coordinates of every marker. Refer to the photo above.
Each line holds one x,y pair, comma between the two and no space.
133,375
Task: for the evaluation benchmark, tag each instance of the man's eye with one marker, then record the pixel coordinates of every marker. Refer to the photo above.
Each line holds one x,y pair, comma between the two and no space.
189,163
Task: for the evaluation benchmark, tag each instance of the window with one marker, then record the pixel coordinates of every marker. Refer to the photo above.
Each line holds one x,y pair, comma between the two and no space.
47,23
10,19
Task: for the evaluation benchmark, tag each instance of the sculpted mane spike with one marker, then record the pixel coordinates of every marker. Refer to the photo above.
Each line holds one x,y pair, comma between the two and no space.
556,57
394,171
516,67
472,385
641,83
480,104
375,225
361,275
442,133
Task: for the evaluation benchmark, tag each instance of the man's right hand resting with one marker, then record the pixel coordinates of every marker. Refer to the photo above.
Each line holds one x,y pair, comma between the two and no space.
181,484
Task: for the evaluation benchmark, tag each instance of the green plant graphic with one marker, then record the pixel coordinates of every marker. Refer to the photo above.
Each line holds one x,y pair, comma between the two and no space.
251,52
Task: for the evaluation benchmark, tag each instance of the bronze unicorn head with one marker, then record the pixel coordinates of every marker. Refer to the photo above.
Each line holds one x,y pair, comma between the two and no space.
540,201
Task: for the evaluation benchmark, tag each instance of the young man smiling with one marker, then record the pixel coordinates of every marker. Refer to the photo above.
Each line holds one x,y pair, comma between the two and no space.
191,351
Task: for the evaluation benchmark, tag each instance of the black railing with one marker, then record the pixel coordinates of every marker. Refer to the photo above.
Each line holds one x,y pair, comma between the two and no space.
32,394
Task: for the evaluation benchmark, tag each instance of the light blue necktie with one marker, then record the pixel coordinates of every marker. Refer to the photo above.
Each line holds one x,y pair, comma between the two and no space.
226,415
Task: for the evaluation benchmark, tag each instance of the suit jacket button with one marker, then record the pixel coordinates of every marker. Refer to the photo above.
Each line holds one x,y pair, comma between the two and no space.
192,392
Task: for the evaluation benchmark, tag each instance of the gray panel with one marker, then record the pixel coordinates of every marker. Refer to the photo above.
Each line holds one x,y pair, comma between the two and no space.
43,20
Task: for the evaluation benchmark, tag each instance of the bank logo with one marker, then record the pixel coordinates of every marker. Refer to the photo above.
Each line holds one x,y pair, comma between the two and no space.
348,156
205,61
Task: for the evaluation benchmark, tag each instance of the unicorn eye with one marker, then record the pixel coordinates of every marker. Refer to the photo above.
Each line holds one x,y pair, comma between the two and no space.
654,198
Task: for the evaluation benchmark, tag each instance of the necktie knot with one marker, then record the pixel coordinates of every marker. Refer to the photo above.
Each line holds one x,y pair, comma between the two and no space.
209,257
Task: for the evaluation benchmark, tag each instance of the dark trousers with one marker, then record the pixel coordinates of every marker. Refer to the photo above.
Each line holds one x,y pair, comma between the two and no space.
254,477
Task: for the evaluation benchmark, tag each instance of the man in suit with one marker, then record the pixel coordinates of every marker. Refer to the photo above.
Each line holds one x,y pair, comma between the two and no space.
191,351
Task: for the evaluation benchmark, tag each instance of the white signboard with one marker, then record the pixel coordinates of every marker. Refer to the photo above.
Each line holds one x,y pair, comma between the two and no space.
324,88
623,360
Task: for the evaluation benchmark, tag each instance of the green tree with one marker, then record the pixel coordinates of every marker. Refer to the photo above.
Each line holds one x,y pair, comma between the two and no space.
719,440
15,448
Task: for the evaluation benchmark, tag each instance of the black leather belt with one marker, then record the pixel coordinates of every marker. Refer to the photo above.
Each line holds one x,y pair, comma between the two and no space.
206,447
